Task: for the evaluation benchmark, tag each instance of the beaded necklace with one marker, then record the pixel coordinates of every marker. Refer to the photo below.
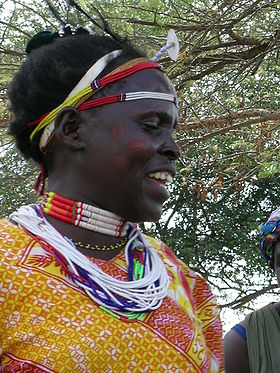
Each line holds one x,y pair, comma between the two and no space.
100,248
84,215
147,278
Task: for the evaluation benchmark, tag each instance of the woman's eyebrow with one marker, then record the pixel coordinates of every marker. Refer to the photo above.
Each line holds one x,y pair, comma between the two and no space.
162,115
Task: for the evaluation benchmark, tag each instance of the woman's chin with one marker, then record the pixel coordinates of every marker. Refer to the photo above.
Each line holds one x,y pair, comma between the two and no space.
148,215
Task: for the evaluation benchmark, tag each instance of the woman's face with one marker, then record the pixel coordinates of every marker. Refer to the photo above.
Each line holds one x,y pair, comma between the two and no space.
130,153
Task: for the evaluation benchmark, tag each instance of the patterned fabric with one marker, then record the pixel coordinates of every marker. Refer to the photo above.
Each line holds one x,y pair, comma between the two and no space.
48,324
269,235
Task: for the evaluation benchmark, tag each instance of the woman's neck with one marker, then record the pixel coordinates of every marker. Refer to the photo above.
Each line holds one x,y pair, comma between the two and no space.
95,232
88,237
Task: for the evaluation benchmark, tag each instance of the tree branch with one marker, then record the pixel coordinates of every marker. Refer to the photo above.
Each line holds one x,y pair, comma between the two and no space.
222,131
229,117
240,302
15,28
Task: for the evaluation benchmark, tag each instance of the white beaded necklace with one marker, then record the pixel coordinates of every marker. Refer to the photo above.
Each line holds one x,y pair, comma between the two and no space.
144,294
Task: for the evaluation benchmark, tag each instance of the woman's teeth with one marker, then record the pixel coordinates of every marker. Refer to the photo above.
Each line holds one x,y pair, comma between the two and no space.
162,176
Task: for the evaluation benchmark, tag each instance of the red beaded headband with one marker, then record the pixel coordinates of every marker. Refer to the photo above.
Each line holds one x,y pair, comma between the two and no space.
47,120
87,87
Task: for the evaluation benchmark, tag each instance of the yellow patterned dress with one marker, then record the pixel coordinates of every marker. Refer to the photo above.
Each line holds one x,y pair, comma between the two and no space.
48,324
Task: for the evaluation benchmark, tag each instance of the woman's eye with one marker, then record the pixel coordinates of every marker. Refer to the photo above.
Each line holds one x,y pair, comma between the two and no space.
152,126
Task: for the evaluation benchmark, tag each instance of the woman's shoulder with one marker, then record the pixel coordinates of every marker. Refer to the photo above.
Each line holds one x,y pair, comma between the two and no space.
195,281
12,238
235,341
8,230
168,255
9,227
235,349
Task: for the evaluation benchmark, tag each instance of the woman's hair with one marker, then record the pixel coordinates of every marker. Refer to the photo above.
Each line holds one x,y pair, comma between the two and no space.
48,75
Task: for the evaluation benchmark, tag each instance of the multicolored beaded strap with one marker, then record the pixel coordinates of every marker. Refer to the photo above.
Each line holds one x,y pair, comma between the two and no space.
112,303
147,279
84,215
122,97
85,93
77,97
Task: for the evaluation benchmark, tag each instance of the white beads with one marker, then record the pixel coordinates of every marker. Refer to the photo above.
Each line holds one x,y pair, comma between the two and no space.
144,293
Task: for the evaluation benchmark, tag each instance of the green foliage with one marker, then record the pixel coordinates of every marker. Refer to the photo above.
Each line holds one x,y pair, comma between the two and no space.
16,178
216,232
269,169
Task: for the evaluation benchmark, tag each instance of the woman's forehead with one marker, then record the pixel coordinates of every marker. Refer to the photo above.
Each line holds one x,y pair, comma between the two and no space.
152,80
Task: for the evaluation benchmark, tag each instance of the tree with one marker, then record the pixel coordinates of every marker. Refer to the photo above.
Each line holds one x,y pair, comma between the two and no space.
227,78
17,179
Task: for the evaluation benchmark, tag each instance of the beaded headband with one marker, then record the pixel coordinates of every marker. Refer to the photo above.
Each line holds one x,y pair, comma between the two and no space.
269,235
89,85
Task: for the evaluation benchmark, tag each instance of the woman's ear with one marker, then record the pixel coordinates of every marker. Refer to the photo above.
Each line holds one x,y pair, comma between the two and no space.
68,128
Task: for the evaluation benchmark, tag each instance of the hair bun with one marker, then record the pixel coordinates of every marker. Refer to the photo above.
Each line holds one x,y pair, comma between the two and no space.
47,37
39,39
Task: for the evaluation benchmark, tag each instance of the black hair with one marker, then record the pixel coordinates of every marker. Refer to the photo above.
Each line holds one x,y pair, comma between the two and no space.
48,75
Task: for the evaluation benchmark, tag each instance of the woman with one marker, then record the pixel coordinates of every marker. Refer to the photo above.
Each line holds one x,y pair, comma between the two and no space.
252,345
82,289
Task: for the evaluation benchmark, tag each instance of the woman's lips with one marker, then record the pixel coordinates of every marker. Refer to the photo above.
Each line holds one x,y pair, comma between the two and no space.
159,180
161,177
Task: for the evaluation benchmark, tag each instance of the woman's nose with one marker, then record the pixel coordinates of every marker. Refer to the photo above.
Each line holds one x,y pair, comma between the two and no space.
169,148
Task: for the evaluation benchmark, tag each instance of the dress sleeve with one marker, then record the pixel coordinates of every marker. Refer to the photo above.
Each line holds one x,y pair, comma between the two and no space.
241,330
208,313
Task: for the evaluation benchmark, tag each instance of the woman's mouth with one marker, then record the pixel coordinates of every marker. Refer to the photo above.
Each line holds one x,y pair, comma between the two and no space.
161,177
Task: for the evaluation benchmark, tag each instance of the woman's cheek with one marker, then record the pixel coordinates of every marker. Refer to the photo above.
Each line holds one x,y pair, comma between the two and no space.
120,161
136,144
